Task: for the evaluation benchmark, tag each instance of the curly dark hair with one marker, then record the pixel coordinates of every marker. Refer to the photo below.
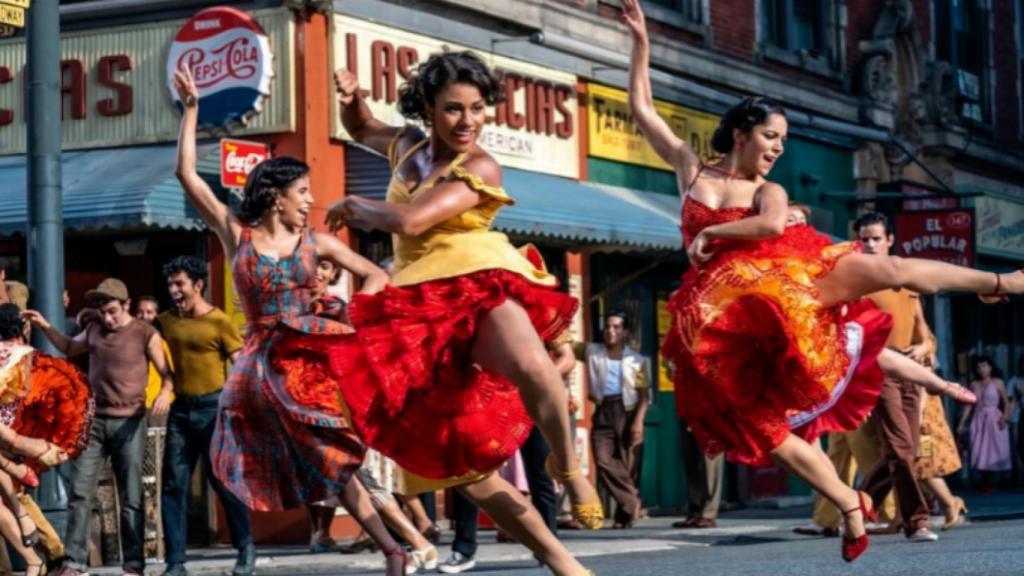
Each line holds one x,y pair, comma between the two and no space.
193,267
440,71
11,323
268,179
750,112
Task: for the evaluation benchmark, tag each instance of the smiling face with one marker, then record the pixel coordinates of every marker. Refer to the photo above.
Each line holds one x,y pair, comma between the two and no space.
295,202
759,149
457,115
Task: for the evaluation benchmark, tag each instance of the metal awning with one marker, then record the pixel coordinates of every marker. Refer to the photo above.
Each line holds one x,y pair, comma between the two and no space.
552,207
114,188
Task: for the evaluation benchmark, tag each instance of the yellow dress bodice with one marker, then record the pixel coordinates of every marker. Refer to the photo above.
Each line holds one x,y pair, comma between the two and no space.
462,244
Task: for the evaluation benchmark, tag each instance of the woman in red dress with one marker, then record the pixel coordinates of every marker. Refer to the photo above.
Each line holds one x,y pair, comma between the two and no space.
269,448
447,366
756,333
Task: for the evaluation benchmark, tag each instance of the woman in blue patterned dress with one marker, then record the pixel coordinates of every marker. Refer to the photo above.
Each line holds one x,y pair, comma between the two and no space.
270,449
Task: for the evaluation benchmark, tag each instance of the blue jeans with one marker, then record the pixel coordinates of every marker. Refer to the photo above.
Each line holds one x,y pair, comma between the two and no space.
189,431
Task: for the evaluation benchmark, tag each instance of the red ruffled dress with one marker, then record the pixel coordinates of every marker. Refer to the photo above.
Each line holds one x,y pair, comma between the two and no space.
45,397
407,375
756,355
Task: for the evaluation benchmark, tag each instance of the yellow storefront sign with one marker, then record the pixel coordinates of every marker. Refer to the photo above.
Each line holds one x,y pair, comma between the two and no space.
19,3
12,15
615,135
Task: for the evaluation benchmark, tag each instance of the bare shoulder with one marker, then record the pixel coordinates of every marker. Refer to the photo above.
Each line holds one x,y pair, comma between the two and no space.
485,166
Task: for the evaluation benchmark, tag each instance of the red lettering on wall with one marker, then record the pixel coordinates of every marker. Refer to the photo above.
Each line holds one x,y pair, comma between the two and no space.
545,108
515,120
72,84
531,105
407,59
6,114
383,71
565,128
121,104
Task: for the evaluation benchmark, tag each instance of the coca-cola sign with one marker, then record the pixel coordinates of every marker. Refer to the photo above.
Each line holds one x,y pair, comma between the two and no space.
238,158
230,59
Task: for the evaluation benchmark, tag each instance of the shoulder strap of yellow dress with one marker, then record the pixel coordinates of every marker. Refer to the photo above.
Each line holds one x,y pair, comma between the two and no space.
477,183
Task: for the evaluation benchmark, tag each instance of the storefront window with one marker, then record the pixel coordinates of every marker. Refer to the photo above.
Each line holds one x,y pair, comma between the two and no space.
961,38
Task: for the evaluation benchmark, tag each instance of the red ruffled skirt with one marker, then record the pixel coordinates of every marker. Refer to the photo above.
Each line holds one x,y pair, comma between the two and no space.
407,377
754,349
53,403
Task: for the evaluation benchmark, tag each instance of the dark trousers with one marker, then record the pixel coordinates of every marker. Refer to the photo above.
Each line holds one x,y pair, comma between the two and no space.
616,458
124,441
898,414
189,432
703,477
542,493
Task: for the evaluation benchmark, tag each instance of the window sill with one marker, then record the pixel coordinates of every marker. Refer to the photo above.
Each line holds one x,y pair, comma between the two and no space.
800,59
668,16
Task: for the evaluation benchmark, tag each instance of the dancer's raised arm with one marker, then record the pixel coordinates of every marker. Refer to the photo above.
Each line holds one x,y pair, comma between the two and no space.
357,118
441,202
670,147
216,215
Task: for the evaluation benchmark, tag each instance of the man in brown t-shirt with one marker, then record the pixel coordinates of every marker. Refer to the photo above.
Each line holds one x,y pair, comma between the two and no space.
120,350
898,410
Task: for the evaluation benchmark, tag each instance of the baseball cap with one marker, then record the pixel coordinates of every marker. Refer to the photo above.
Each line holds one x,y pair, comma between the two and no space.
109,288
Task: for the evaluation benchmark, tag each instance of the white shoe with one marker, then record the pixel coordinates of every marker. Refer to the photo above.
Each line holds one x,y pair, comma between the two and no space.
923,534
425,558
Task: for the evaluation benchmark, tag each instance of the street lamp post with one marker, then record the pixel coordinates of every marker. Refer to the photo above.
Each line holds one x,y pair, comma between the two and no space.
45,234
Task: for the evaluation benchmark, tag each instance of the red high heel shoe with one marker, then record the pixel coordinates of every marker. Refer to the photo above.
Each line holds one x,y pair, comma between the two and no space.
397,552
854,547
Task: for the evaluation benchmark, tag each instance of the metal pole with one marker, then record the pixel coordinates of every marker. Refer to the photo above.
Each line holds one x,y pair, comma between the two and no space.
45,235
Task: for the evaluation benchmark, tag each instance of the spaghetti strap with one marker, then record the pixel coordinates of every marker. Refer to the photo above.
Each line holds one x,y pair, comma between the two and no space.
408,153
700,169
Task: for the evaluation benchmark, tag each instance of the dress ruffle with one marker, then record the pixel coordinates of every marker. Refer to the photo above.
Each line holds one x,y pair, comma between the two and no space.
753,346
58,406
408,381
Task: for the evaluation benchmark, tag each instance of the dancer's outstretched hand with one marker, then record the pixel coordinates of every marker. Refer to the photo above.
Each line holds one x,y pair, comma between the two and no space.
347,86
338,214
633,17
186,87
698,251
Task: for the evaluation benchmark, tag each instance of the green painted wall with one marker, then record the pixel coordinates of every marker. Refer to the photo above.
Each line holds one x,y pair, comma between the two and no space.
631,176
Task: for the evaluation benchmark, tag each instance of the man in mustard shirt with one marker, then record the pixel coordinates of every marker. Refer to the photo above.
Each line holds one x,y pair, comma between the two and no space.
203,341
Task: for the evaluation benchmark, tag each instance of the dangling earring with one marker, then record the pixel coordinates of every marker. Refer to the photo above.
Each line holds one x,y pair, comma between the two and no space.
278,209
740,145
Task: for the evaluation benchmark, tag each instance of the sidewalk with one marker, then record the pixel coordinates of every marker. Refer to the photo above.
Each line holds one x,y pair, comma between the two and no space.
652,534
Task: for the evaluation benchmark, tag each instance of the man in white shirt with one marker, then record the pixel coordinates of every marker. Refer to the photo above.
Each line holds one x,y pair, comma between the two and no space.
619,379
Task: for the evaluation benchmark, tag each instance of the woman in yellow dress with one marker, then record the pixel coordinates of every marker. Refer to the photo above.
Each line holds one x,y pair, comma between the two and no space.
447,369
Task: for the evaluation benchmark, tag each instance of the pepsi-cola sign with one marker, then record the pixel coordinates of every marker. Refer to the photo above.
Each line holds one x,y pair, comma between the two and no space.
231,63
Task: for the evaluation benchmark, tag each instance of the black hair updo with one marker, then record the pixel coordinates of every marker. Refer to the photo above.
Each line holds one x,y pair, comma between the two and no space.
750,112
266,180
441,71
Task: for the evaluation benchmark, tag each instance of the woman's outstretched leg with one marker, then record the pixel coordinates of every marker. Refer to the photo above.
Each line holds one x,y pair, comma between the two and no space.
507,343
812,466
858,275
514,513
356,499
